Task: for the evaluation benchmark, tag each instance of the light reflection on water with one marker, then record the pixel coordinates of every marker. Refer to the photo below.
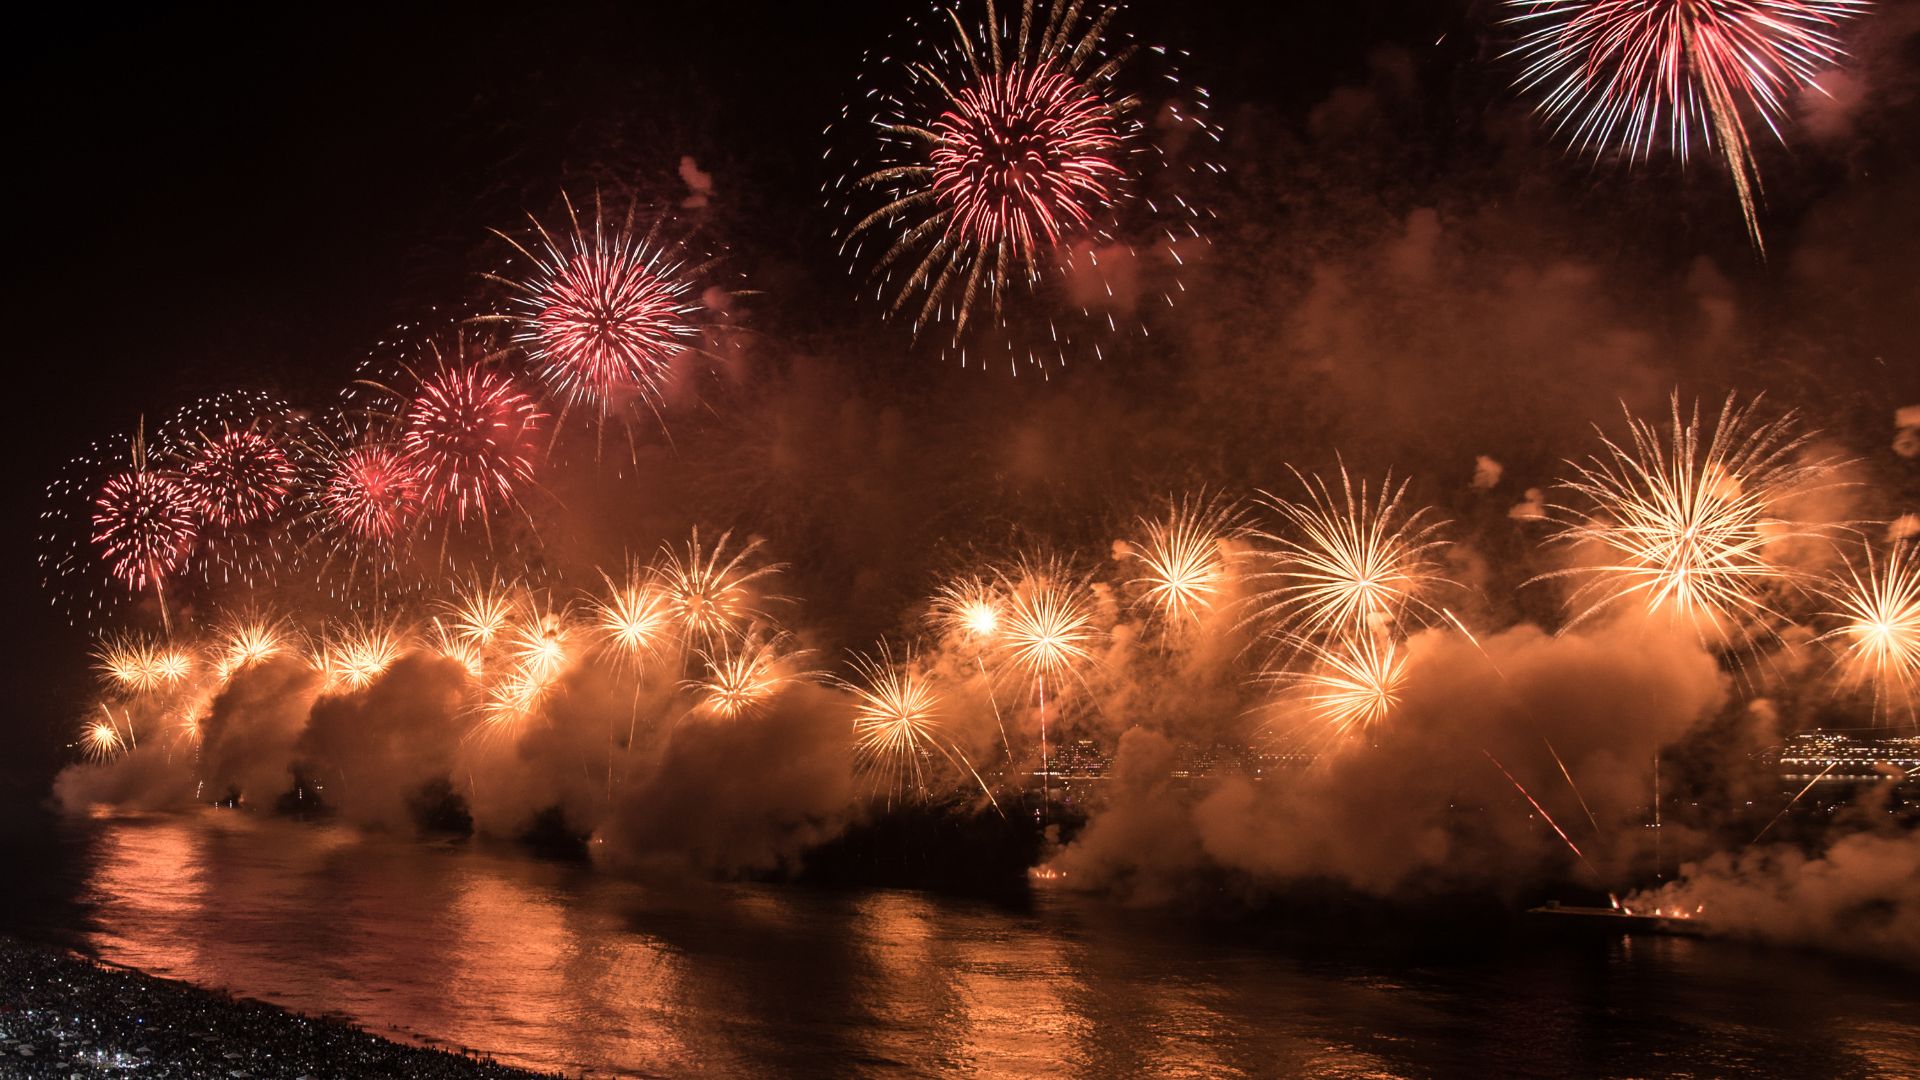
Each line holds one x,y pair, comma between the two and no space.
558,967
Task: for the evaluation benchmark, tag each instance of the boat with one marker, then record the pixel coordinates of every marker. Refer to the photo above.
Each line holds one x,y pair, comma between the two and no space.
1617,919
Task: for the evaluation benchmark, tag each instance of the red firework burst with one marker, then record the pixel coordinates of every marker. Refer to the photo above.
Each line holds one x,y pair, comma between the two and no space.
604,311
468,440
237,477
370,492
1628,74
1024,156
1021,178
145,525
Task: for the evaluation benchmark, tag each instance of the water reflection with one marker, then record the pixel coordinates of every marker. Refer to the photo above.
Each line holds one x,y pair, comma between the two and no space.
558,967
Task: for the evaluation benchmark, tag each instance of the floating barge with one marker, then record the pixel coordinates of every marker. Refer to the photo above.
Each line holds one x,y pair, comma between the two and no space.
1615,920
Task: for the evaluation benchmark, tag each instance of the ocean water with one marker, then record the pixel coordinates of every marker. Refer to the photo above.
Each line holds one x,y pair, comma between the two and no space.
559,967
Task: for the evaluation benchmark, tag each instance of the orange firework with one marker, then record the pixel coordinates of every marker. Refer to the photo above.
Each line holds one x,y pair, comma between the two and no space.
895,719
1346,563
1689,525
483,614
357,656
634,619
708,590
101,739
139,666
1353,684
969,609
1046,629
245,641
540,644
744,676
1877,604
1184,559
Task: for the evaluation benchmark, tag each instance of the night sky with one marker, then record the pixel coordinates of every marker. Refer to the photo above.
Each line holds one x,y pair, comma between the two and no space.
203,198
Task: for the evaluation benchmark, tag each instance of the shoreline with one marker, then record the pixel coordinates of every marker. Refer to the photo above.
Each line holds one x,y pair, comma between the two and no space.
64,1014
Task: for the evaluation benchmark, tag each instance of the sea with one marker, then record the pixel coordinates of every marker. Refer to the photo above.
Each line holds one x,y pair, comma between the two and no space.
556,965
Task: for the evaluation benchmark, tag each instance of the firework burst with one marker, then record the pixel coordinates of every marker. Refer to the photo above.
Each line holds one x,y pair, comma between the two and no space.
634,619
136,665
482,615
1877,606
245,641
1046,630
100,739
467,437
1184,559
604,310
968,609
895,721
1345,563
237,476
368,494
708,589
1689,524
1001,172
1353,684
1628,75
354,658
743,676
145,525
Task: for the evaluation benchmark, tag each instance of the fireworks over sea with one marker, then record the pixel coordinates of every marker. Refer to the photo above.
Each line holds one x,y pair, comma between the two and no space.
1412,515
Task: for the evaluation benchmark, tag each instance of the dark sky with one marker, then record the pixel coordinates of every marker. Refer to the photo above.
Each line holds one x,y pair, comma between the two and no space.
201,196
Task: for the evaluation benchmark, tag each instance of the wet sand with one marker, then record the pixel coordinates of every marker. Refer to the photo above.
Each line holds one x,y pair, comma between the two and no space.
62,1015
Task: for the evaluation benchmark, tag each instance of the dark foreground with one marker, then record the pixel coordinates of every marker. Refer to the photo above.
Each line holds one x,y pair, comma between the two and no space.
64,1016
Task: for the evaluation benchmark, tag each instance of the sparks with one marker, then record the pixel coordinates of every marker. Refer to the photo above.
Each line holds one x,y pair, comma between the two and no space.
468,440
1877,604
1345,564
1627,75
1183,558
604,310
1688,525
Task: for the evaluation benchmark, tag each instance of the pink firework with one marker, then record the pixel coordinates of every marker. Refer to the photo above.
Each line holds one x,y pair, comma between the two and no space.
237,477
604,311
145,525
468,439
1024,156
370,493
1628,74
1024,177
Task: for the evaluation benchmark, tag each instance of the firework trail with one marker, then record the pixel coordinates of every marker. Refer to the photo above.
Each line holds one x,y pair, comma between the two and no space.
1548,818
1003,165
1184,559
1046,632
1626,75
603,310
1345,564
967,610
1686,525
1877,605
